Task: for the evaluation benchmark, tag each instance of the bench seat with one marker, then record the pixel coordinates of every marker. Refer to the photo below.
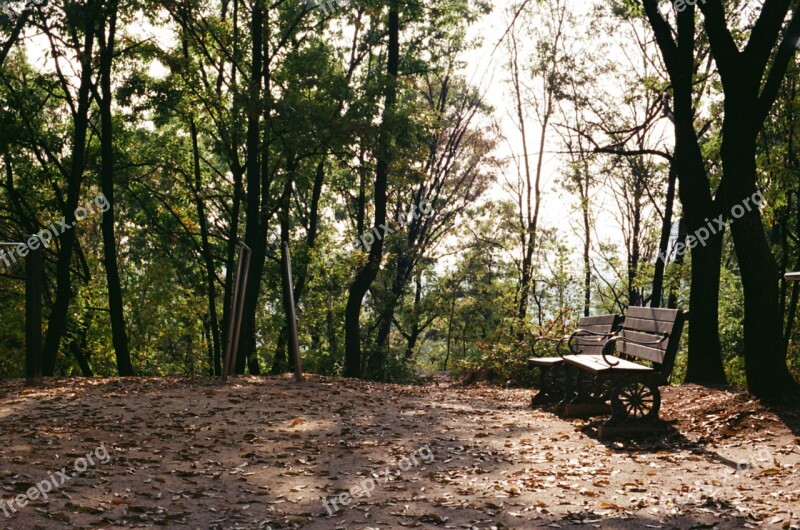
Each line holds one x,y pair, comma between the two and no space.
589,338
544,361
596,364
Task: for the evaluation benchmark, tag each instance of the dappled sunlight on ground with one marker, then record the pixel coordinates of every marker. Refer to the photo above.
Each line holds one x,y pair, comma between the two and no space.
265,452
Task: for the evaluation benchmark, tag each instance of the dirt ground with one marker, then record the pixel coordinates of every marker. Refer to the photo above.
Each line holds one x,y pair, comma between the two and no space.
264,452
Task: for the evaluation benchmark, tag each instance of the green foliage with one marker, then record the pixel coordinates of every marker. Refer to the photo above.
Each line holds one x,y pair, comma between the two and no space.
453,280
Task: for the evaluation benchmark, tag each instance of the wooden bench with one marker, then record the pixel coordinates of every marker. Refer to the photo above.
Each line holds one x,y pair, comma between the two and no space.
629,369
590,336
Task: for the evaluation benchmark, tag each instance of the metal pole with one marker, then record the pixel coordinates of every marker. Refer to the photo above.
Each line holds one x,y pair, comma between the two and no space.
33,317
291,314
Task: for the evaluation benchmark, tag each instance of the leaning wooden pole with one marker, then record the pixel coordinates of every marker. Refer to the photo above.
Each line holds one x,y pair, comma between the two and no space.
291,313
237,305
33,317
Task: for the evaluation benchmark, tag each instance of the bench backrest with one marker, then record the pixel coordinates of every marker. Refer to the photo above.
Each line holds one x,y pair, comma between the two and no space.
606,324
647,324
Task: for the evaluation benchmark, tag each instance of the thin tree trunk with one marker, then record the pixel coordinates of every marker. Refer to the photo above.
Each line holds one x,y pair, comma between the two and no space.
119,335
58,315
527,226
283,361
587,243
675,286
279,363
415,327
666,231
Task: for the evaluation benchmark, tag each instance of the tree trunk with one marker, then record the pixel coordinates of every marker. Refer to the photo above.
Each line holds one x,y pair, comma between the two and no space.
415,327
253,210
366,274
208,255
764,357
695,195
675,286
119,335
587,242
58,315
704,364
751,78
282,361
403,267
666,231
205,247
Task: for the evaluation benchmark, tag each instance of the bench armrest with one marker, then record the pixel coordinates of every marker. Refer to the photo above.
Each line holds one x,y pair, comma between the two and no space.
609,347
559,342
585,333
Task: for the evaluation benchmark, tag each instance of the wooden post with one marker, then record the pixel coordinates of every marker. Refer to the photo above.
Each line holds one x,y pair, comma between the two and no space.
33,317
237,306
291,314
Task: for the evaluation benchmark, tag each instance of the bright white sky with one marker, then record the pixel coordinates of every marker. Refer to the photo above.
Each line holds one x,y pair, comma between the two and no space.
489,70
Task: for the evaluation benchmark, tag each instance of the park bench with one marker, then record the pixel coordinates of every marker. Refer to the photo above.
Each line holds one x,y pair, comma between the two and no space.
590,336
629,369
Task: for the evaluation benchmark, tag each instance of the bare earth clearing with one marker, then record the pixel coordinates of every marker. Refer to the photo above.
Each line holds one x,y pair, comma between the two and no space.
263,452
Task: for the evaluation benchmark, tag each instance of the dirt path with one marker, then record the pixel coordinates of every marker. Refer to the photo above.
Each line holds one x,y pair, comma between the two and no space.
264,453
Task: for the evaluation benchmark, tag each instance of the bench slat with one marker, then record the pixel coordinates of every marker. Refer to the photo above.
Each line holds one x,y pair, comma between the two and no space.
648,326
642,352
598,328
646,337
652,313
589,348
603,320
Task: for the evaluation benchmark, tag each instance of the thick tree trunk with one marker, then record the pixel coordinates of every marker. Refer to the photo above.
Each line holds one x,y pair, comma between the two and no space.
704,364
751,78
695,195
764,356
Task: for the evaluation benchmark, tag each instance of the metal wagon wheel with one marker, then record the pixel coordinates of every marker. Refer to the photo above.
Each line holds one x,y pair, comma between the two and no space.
636,400
591,388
